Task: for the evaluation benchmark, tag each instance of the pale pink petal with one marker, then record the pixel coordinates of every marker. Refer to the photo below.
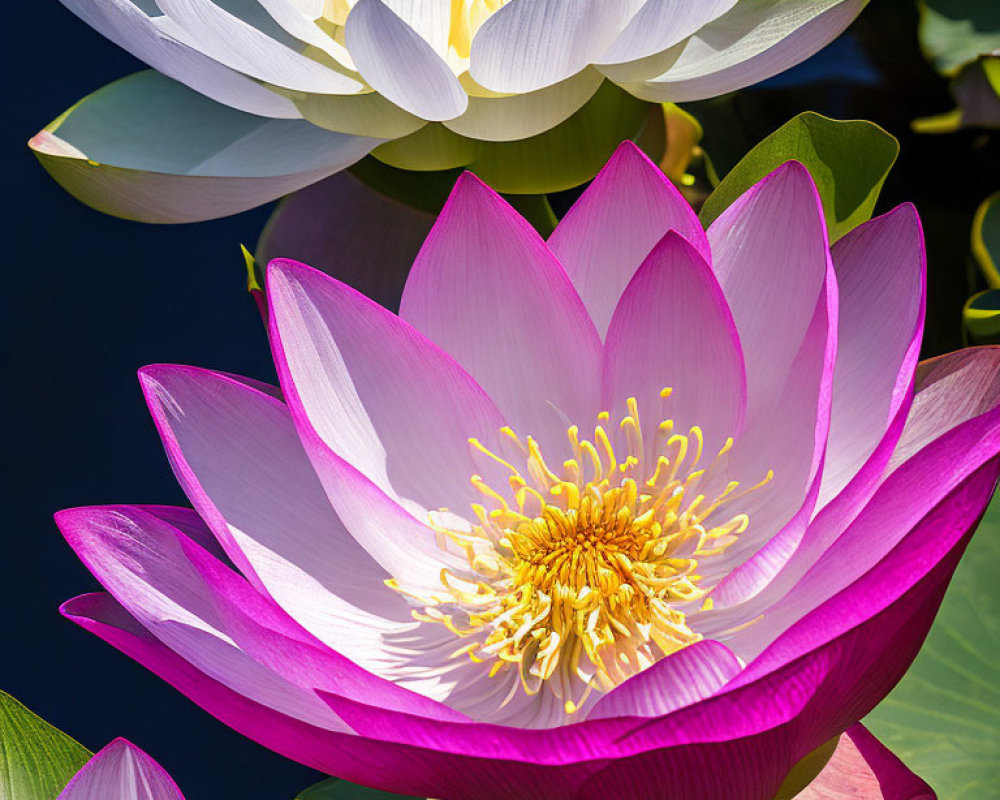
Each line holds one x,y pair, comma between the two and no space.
950,389
141,561
674,329
900,504
486,288
238,456
121,771
609,231
770,254
789,439
862,768
880,269
680,679
377,393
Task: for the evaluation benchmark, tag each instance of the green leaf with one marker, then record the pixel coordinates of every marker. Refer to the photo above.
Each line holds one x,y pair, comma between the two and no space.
943,719
986,239
849,160
36,760
954,33
569,154
334,789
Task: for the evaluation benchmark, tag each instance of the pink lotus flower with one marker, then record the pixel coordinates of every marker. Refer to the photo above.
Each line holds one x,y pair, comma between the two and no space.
642,511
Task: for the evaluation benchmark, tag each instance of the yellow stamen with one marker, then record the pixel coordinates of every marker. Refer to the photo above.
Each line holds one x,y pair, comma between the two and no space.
581,582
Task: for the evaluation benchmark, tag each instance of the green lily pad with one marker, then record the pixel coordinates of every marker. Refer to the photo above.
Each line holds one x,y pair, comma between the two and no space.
334,789
849,160
943,719
954,33
569,154
36,759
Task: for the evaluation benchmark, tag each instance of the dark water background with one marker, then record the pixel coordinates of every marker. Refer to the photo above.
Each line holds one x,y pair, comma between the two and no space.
87,299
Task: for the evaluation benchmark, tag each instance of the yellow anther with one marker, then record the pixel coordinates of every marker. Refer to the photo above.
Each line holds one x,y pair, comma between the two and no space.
578,581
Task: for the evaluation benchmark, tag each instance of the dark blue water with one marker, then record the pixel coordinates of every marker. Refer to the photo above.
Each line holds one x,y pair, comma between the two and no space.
85,301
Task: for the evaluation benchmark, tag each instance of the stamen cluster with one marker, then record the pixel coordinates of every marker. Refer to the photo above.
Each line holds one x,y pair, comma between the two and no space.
584,577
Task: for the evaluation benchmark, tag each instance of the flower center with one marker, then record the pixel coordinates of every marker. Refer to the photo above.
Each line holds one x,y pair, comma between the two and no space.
466,17
583,577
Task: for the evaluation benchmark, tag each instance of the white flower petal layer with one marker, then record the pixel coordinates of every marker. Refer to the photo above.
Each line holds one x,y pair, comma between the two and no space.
400,64
150,149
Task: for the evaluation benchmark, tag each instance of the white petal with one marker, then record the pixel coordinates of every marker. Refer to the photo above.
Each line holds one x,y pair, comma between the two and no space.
660,24
368,114
150,149
502,119
750,43
303,27
206,27
430,18
400,64
530,44
125,24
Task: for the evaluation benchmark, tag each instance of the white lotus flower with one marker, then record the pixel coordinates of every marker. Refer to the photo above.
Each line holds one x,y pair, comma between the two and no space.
299,89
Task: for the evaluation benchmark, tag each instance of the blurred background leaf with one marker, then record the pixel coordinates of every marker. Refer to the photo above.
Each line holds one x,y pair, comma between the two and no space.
981,314
943,719
36,759
954,33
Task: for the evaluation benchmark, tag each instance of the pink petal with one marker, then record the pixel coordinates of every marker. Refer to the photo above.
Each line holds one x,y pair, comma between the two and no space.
487,289
673,328
896,520
683,678
770,254
881,277
862,768
952,390
204,595
737,745
141,561
238,456
790,438
376,392
609,231
401,769
188,522
121,771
